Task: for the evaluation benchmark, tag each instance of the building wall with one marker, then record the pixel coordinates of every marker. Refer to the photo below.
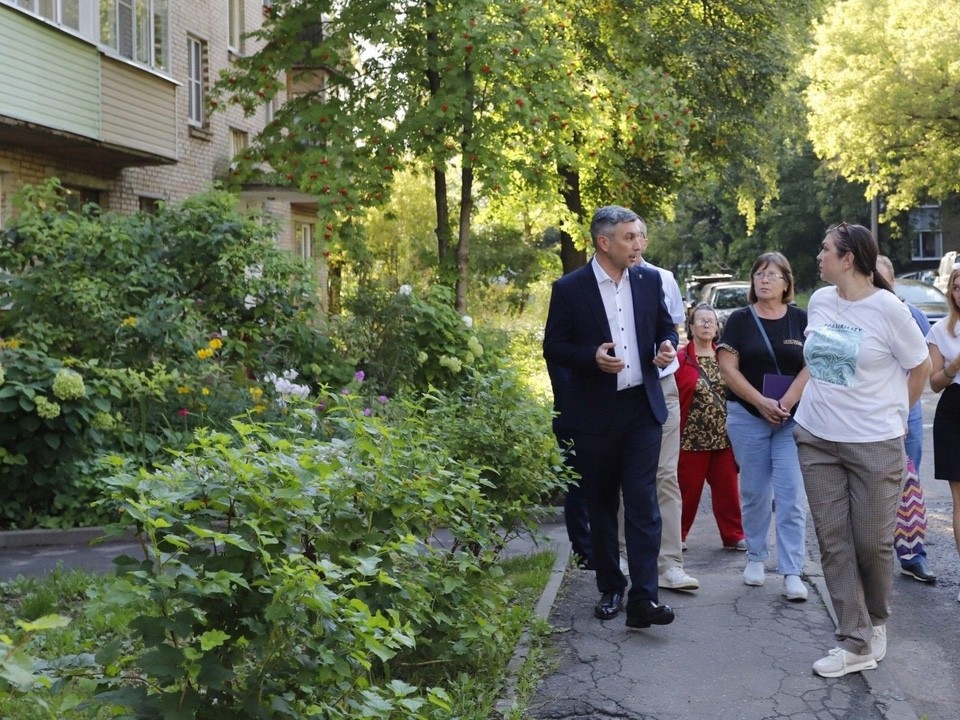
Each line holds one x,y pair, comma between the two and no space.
202,156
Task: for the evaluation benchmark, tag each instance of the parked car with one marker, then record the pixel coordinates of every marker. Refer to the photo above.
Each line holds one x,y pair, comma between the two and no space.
930,301
943,272
725,297
927,277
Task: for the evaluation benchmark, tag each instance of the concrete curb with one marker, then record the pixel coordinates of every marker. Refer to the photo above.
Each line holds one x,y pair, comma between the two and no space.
508,698
48,537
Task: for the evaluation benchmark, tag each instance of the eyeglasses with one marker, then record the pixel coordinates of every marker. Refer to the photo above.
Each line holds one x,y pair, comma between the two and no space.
706,322
769,275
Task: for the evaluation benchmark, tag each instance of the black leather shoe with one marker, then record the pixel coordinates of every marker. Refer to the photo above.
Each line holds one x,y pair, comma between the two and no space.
610,605
645,613
918,570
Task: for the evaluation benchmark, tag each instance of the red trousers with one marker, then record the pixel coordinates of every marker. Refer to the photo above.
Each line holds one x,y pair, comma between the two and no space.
719,469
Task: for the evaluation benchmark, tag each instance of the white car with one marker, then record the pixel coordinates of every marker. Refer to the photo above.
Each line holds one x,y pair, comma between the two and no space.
943,273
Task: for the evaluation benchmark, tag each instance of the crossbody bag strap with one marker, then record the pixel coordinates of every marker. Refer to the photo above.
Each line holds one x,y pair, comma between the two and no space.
713,389
763,334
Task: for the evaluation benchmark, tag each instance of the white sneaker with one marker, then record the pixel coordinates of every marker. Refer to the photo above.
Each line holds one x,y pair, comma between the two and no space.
753,574
840,662
794,589
878,643
676,579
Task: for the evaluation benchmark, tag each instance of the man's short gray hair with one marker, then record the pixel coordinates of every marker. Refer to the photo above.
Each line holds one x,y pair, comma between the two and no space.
608,217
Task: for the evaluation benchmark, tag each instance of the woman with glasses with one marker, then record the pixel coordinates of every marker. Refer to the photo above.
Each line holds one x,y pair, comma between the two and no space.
705,453
761,360
867,362
944,343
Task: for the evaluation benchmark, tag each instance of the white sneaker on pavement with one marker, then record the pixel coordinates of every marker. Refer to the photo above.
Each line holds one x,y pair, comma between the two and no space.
753,573
676,579
840,662
878,643
794,589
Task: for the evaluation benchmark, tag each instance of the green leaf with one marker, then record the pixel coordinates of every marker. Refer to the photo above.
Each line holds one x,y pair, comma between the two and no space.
212,639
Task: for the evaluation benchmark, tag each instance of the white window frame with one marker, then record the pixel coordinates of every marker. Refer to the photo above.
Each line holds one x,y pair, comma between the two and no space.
144,27
239,141
57,12
196,81
924,221
305,233
235,26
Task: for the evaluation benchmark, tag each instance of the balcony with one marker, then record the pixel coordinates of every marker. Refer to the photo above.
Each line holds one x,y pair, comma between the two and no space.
62,97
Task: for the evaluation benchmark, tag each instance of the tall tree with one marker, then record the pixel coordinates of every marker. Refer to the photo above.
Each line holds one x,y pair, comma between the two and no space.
470,85
884,96
696,83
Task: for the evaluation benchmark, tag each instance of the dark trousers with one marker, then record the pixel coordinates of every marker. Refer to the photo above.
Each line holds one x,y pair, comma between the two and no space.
575,514
623,458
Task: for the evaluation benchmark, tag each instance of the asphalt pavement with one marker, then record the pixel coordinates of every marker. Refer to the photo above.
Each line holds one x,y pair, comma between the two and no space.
734,652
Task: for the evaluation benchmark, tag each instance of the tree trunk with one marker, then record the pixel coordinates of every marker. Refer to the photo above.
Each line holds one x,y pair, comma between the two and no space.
443,216
466,192
463,241
439,173
334,283
571,257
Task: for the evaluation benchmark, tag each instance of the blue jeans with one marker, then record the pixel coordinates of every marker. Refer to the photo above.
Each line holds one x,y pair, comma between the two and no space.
769,471
913,442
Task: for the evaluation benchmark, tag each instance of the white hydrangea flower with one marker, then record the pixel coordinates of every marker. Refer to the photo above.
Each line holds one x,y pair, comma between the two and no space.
404,290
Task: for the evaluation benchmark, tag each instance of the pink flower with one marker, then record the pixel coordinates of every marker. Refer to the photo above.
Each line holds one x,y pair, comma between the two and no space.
359,376
367,412
183,412
345,391
382,399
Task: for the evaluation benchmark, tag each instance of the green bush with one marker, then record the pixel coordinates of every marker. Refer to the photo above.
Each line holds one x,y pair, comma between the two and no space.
405,340
49,428
307,571
492,422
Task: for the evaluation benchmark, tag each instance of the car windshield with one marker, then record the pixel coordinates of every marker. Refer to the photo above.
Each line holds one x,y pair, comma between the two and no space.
920,294
730,298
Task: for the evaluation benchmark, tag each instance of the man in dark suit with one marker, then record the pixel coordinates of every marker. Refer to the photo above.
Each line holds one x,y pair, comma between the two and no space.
609,327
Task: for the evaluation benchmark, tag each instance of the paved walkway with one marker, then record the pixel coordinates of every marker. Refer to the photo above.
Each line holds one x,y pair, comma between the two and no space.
733,652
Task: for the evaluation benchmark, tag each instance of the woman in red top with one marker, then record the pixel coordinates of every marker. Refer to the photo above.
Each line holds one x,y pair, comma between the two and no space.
705,452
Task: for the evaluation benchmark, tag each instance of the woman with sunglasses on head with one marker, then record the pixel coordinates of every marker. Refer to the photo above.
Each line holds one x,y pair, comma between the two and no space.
761,360
705,452
943,341
867,362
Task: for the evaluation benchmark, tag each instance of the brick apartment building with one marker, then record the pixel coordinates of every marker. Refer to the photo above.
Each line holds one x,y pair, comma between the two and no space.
109,97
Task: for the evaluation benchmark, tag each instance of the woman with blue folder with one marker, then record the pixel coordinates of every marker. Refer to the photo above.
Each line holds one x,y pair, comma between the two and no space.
761,360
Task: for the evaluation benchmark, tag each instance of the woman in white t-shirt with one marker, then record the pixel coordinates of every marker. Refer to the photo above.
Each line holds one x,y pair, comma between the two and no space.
944,343
868,363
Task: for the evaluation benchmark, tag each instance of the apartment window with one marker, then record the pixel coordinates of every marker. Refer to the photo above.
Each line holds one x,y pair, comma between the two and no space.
61,12
926,233
270,109
137,30
74,198
239,140
235,30
149,205
196,81
304,232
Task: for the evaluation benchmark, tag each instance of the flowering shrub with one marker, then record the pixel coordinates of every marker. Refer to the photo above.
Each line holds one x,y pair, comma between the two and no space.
291,571
408,341
47,430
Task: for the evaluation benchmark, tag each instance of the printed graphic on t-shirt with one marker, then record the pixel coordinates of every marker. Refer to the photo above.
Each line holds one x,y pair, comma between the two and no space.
831,352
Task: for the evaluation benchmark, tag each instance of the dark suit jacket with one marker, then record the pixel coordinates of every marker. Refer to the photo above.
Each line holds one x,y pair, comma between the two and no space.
577,326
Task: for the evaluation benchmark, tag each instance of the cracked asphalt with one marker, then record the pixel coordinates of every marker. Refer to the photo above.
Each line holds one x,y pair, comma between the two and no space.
745,653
